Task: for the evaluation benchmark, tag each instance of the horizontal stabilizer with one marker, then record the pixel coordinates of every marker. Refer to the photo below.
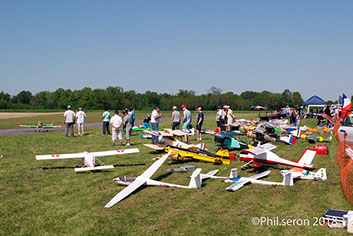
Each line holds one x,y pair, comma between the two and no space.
93,168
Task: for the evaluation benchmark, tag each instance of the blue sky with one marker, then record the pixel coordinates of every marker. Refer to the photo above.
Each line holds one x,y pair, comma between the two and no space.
164,46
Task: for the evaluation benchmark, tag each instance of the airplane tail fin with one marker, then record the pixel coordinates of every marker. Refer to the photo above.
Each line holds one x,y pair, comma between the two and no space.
307,157
201,146
218,130
210,174
223,153
233,173
321,174
195,181
288,179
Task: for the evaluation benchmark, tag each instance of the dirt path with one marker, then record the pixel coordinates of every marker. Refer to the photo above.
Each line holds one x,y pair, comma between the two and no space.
27,131
7,115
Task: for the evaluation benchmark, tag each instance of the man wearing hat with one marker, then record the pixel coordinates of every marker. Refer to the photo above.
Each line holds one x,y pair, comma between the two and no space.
69,120
116,122
155,118
175,121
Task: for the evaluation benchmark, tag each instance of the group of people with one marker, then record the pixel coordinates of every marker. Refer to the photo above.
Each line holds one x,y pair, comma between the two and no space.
292,114
69,121
224,117
117,123
175,121
126,123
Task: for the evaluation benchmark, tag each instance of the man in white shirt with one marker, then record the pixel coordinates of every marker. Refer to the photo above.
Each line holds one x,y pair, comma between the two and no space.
155,116
116,122
80,115
69,121
219,118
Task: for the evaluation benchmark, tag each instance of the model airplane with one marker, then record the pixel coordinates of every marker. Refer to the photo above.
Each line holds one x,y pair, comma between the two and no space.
140,128
167,139
221,157
267,134
316,138
325,130
241,181
226,140
41,125
145,179
298,173
262,155
89,158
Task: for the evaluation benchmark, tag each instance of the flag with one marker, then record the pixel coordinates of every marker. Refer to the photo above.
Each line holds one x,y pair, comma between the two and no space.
346,107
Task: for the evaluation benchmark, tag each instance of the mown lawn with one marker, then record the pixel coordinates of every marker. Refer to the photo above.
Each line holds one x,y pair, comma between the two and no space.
48,197
95,117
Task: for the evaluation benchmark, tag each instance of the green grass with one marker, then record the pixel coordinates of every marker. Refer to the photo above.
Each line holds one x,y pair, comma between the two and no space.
95,117
48,197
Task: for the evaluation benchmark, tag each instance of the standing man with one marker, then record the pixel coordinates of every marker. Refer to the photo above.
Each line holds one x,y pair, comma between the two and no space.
230,117
287,112
116,122
127,126
199,123
80,115
219,118
106,116
132,110
175,121
186,121
155,122
69,120
187,117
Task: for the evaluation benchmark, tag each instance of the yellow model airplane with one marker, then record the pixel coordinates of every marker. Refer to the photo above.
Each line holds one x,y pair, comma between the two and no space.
221,157
167,139
325,130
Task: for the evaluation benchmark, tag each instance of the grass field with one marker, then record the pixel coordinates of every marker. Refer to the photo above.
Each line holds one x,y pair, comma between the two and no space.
48,197
92,117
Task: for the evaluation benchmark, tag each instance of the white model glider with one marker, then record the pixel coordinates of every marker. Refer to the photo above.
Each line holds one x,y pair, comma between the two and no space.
89,158
134,182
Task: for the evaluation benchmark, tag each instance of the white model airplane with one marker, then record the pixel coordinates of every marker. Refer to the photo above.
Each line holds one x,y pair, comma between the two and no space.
136,182
298,173
261,155
89,158
241,181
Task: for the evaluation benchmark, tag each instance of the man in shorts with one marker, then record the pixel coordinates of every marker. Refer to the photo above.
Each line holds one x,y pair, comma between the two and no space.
116,122
127,126
69,120
199,123
80,116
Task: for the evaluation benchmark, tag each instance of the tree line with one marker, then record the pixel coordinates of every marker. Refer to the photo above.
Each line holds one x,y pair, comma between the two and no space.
116,98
